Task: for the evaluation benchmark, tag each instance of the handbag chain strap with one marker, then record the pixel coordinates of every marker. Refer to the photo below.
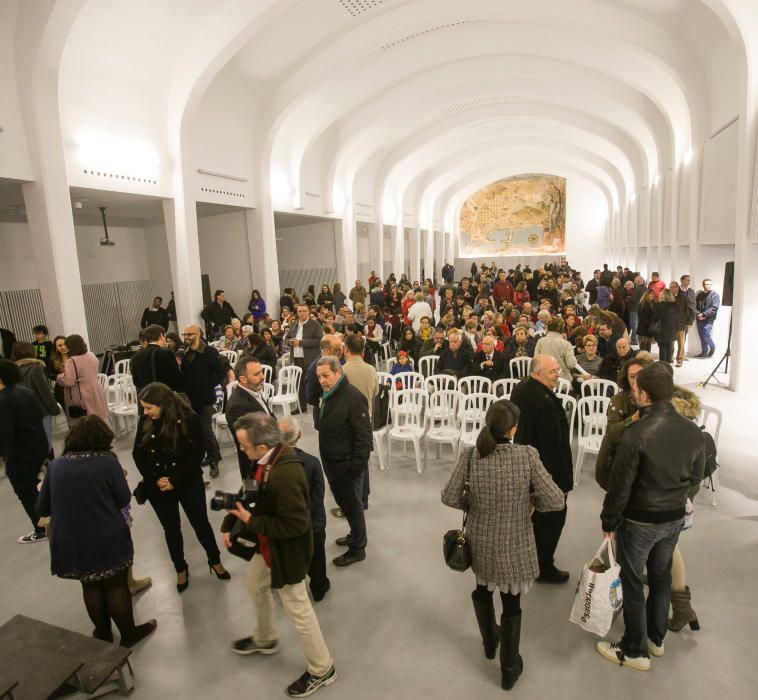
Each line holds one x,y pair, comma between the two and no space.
466,492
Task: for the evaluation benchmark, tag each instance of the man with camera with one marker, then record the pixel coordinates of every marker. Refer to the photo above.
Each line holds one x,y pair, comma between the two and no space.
277,513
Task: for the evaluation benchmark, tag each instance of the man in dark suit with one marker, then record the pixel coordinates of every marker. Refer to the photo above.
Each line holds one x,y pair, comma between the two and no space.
345,441
304,340
245,398
454,359
154,363
7,340
543,425
314,472
23,443
155,315
488,362
218,313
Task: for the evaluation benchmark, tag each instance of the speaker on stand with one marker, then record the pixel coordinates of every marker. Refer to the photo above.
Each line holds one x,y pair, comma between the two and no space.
727,299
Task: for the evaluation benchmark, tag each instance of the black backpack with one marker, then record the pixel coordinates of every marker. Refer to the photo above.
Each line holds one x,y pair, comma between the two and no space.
381,407
711,465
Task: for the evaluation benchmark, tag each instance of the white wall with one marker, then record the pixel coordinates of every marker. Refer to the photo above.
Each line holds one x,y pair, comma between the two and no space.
158,261
224,257
17,269
306,247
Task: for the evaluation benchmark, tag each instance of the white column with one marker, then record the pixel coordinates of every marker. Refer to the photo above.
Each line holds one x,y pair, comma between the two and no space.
429,254
440,254
264,261
450,248
376,248
398,247
346,245
415,243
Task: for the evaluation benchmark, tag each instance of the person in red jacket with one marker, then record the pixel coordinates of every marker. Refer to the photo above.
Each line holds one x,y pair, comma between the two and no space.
657,285
502,292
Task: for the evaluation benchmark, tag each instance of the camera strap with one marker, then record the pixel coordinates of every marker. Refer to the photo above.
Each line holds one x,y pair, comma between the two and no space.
268,467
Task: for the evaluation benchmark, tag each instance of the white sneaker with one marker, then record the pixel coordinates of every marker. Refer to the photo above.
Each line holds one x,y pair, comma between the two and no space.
612,652
32,537
654,649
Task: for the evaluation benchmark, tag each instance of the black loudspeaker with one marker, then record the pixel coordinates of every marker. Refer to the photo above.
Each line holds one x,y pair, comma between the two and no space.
728,294
206,282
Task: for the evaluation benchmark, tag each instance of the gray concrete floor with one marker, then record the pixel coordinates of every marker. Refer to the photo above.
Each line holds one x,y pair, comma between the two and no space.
400,624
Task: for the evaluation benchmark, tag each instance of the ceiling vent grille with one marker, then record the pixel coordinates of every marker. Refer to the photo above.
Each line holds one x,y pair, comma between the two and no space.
357,7
476,102
417,35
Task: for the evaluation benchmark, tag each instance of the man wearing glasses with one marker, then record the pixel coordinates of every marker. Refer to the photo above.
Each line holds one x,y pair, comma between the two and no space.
543,425
203,370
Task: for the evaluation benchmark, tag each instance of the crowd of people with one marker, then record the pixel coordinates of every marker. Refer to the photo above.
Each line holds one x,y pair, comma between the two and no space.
516,480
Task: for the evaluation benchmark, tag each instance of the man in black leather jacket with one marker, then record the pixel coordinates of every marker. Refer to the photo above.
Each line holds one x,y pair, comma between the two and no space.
658,465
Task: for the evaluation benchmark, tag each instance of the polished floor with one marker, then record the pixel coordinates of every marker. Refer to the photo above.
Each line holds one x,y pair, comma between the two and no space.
400,624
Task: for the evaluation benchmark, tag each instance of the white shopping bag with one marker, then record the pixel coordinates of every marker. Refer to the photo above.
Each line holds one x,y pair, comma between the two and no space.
598,598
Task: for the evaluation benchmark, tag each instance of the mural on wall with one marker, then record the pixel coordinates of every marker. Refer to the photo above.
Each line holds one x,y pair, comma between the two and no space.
519,215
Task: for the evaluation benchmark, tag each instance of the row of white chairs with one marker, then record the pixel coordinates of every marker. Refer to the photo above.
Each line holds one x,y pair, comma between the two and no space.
518,366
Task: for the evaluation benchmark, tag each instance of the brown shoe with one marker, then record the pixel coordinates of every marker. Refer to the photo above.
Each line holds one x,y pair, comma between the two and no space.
138,584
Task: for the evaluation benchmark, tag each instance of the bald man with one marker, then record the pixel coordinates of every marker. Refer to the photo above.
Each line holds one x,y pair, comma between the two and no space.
543,425
331,346
203,370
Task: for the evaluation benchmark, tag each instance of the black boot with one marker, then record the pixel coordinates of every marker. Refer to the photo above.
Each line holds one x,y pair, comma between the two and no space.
511,663
484,609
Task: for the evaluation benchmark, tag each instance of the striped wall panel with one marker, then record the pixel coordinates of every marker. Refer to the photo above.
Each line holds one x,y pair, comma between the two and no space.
133,297
301,279
20,311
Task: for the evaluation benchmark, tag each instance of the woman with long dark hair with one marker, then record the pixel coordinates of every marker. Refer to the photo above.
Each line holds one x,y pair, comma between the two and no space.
506,482
257,305
86,496
168,451
82,392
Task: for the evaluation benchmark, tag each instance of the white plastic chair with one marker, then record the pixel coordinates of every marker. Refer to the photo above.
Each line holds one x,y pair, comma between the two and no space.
408,380
569,405
599,387
441,422
563,386
124,410
407,424
426,364
503,388
519,367
123,367
593,422
103,379
288,386
475,385
380,436
440,382
218,420
230,355
267,390
471,418
268,373
711,418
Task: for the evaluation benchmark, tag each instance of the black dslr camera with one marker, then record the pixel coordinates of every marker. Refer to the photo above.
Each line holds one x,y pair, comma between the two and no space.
222,500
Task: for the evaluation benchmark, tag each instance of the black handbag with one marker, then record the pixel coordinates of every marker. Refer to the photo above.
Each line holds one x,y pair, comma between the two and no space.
455,545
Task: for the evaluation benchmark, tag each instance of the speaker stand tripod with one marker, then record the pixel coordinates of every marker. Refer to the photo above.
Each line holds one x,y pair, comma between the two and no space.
724,358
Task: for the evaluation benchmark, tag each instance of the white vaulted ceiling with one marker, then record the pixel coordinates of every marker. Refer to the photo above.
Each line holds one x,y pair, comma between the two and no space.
413,101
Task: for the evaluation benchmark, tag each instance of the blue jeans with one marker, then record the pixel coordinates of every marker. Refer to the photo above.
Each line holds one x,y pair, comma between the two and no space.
634,319
640,544
704,330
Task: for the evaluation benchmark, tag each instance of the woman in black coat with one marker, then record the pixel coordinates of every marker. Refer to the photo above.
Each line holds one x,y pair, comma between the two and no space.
264,349
87,498
168,451
646,317
666,314
411,343
326,298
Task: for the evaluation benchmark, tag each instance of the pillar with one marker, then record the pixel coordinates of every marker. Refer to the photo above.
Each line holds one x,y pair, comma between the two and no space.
376,248
429,268
415,254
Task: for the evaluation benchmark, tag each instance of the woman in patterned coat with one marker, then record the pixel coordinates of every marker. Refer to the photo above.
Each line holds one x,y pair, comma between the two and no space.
501,477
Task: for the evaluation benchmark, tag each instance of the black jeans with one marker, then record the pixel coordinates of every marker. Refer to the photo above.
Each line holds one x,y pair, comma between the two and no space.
317,569
547,531
300,362
637,545
347,489
666,352
212,452
23,478
191,496
366,489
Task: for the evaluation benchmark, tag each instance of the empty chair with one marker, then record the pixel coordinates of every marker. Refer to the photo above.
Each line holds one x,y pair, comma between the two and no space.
288,386
267,390
520,367
442,422
103,379
123,367
569,405
268,373
473,409
563,386
124,410
438,382
591,411
474,385
230,355
710,419
503,388
408,423
599,387
426,365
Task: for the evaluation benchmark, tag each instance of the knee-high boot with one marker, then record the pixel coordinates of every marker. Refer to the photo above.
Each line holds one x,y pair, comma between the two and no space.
484,609
683,614
511,663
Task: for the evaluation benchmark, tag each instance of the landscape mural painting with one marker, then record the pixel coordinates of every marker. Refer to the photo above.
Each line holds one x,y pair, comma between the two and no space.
519,215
